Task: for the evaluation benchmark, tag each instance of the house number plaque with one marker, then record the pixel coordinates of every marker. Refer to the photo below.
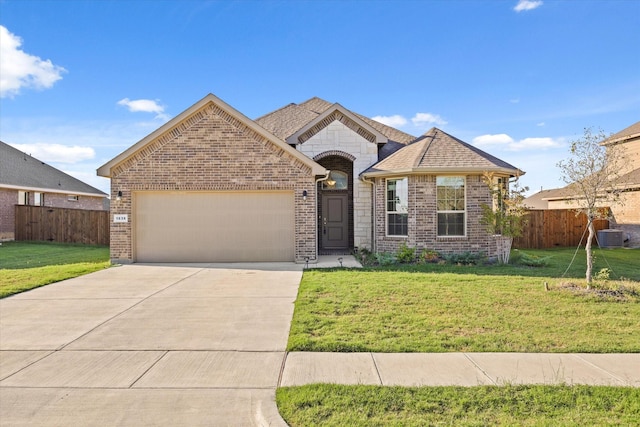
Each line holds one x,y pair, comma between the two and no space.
120,218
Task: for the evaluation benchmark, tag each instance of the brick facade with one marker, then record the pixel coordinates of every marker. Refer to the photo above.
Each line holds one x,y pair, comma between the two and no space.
212,151
9,198
422,218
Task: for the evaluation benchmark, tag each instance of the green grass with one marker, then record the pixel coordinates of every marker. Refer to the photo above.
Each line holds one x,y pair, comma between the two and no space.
437,308
28,265
339,405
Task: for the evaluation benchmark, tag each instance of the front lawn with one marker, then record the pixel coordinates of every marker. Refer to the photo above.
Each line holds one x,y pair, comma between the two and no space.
444,308
341,405
28,265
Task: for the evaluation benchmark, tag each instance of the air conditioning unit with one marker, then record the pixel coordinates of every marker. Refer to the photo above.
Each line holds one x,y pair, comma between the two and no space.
609,239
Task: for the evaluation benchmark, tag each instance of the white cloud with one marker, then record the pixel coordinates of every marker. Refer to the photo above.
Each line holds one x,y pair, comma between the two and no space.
524,5
421,119
486,140
144,106
541,124
394,121
534,144
509,144
19,69
57,153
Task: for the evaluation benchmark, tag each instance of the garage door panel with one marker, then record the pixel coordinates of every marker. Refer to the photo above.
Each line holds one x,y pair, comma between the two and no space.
214,226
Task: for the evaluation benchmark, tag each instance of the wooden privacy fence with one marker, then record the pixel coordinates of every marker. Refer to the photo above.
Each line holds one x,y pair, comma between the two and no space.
555,228
62,225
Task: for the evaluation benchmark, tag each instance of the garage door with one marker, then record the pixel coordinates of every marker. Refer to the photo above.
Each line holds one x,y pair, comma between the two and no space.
214,226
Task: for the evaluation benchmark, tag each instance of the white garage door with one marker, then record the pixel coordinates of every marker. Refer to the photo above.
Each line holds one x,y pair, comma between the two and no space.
214,226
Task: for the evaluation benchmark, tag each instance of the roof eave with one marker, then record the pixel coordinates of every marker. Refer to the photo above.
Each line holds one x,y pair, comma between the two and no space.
53,190
431,171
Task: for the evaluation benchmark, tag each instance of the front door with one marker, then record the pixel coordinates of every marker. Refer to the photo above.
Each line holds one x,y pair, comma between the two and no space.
335,221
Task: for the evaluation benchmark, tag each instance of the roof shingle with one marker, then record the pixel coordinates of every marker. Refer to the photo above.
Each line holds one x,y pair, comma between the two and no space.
18,169
438,151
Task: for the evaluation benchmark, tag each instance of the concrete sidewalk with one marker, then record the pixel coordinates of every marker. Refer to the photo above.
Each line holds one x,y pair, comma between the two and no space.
461,369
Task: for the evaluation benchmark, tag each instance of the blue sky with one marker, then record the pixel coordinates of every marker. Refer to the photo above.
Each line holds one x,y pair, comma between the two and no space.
81,81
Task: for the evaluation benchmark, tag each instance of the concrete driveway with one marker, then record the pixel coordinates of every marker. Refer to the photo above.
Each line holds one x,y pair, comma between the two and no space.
183,345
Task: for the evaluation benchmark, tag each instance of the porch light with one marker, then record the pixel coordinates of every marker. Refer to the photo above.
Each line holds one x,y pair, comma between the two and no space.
331,182
304,195
119,196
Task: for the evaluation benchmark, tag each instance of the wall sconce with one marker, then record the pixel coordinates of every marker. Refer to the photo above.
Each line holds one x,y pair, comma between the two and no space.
119,196
304,195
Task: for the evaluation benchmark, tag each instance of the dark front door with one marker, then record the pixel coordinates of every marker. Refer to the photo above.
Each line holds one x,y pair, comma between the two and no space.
335,221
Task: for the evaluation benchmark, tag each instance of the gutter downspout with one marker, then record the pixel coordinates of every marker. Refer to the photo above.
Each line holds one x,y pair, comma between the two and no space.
315,220
373,212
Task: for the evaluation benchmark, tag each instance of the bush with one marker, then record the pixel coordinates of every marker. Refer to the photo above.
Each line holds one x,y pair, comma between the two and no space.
405,254
365,256
429,255
603,275
385,258
465,258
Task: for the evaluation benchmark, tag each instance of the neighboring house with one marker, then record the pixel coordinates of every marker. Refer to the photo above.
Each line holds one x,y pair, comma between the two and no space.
626,212
212,185
538,201
25,180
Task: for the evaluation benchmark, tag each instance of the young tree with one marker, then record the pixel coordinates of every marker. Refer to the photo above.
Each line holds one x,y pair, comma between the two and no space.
506,218
593,174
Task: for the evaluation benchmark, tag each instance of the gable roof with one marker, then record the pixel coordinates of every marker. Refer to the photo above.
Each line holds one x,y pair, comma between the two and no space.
341,114
288,120
174,126
21,171
438,152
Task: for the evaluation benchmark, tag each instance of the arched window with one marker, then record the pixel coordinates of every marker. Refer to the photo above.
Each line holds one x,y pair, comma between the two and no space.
337,181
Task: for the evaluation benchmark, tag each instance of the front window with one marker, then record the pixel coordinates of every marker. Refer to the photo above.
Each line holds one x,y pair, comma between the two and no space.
451,205
337,181
38,199
397,207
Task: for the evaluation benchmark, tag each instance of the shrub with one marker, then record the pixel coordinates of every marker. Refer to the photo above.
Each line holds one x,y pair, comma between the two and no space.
365,256
429,255
465,258
405,254
385,258
603,274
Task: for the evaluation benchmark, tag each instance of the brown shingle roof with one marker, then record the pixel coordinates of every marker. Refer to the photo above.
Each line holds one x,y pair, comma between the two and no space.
289,119
437,151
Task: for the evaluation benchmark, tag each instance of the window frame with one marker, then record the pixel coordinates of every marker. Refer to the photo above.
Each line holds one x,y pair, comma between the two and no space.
388,213
454,211
23,198
38,198
73,198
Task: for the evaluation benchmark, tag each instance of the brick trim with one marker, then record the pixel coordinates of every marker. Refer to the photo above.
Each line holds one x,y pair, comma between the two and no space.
338,153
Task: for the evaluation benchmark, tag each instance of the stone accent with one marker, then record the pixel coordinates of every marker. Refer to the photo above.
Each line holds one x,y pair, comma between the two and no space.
211,151
338,137
337,116
422,219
